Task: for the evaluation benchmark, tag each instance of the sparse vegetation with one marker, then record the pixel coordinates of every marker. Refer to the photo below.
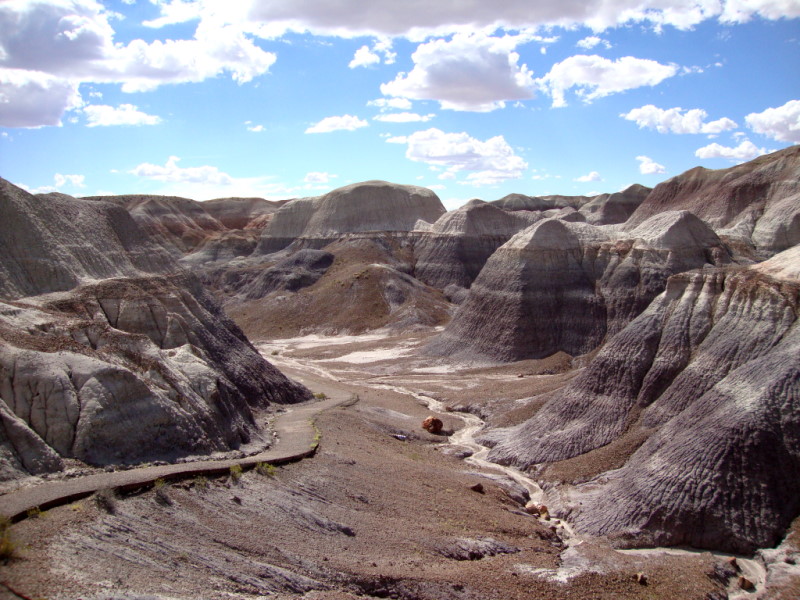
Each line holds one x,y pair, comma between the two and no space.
106,500
7,545
320,395
34,513
162,492
275,353
200,482
236,472
266,469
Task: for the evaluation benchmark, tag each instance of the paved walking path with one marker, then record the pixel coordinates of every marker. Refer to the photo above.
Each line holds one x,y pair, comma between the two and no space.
297,439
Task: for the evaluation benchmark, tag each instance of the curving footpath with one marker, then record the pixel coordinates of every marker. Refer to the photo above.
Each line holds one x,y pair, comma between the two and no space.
297,439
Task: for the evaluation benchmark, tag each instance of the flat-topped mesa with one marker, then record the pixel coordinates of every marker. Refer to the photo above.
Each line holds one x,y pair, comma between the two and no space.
561,286
709,375
757,201
109,351
457,246
360,207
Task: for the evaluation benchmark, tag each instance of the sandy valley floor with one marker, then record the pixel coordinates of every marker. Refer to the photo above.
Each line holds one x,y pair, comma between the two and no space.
384,509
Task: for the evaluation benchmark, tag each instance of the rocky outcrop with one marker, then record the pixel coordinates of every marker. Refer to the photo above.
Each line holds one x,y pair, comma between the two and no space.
242,213
561,286
177,224
109,352
301,269
711,373
367,206
457,246
611,209
758,201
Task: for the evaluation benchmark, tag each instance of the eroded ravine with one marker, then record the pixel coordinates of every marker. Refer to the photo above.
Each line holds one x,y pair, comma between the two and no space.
465,437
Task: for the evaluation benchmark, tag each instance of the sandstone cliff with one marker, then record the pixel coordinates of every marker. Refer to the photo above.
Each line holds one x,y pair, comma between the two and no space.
109,352
561,286
710,373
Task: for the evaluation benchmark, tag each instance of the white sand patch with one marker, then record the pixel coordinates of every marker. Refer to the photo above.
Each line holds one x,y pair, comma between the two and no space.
372,356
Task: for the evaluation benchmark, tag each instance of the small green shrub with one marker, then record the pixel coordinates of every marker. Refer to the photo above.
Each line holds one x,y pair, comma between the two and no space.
266,469
200,482
320,395
275,353
236,472
34,513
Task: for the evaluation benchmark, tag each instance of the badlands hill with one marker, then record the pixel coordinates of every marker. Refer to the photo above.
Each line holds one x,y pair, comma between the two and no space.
110,352
675,308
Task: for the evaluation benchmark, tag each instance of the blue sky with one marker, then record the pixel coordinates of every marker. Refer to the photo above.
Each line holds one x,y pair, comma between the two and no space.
289,98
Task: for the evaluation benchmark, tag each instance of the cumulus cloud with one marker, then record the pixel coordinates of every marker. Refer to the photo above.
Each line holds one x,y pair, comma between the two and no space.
647,166
171,172
592,176
101,115
781,123
676,120
385,104
344,122
594,76
404,117
33,99
318,177
487,162
59,182
365,57
747,150
470,72
418,19
64,43
590,42
253,127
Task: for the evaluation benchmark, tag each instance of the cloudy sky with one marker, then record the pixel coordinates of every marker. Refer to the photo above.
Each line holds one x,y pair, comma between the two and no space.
287,98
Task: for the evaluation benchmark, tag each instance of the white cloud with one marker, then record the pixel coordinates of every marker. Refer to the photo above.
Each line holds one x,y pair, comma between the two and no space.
676,120
590,42
318,177
173,12
488,162
344,122
593,176
471,72
364,57
59,182
781,123
647,166
747,150
404,117
63,43
33,99
397,139
595,76
418,19
171,172
385,104
253,128
101,115
740,11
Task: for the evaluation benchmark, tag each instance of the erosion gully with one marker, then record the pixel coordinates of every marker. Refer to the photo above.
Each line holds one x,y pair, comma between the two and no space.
278,352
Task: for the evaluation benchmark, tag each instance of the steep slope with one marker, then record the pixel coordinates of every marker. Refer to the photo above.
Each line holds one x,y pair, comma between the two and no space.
561,286
242,213
177,224
460,242
710,373
367,206
757,201
610,209
109,352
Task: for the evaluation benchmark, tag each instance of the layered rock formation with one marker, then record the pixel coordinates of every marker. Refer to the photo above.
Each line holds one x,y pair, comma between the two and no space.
368,206
710,372
757,201
109,352
561,286
457,246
